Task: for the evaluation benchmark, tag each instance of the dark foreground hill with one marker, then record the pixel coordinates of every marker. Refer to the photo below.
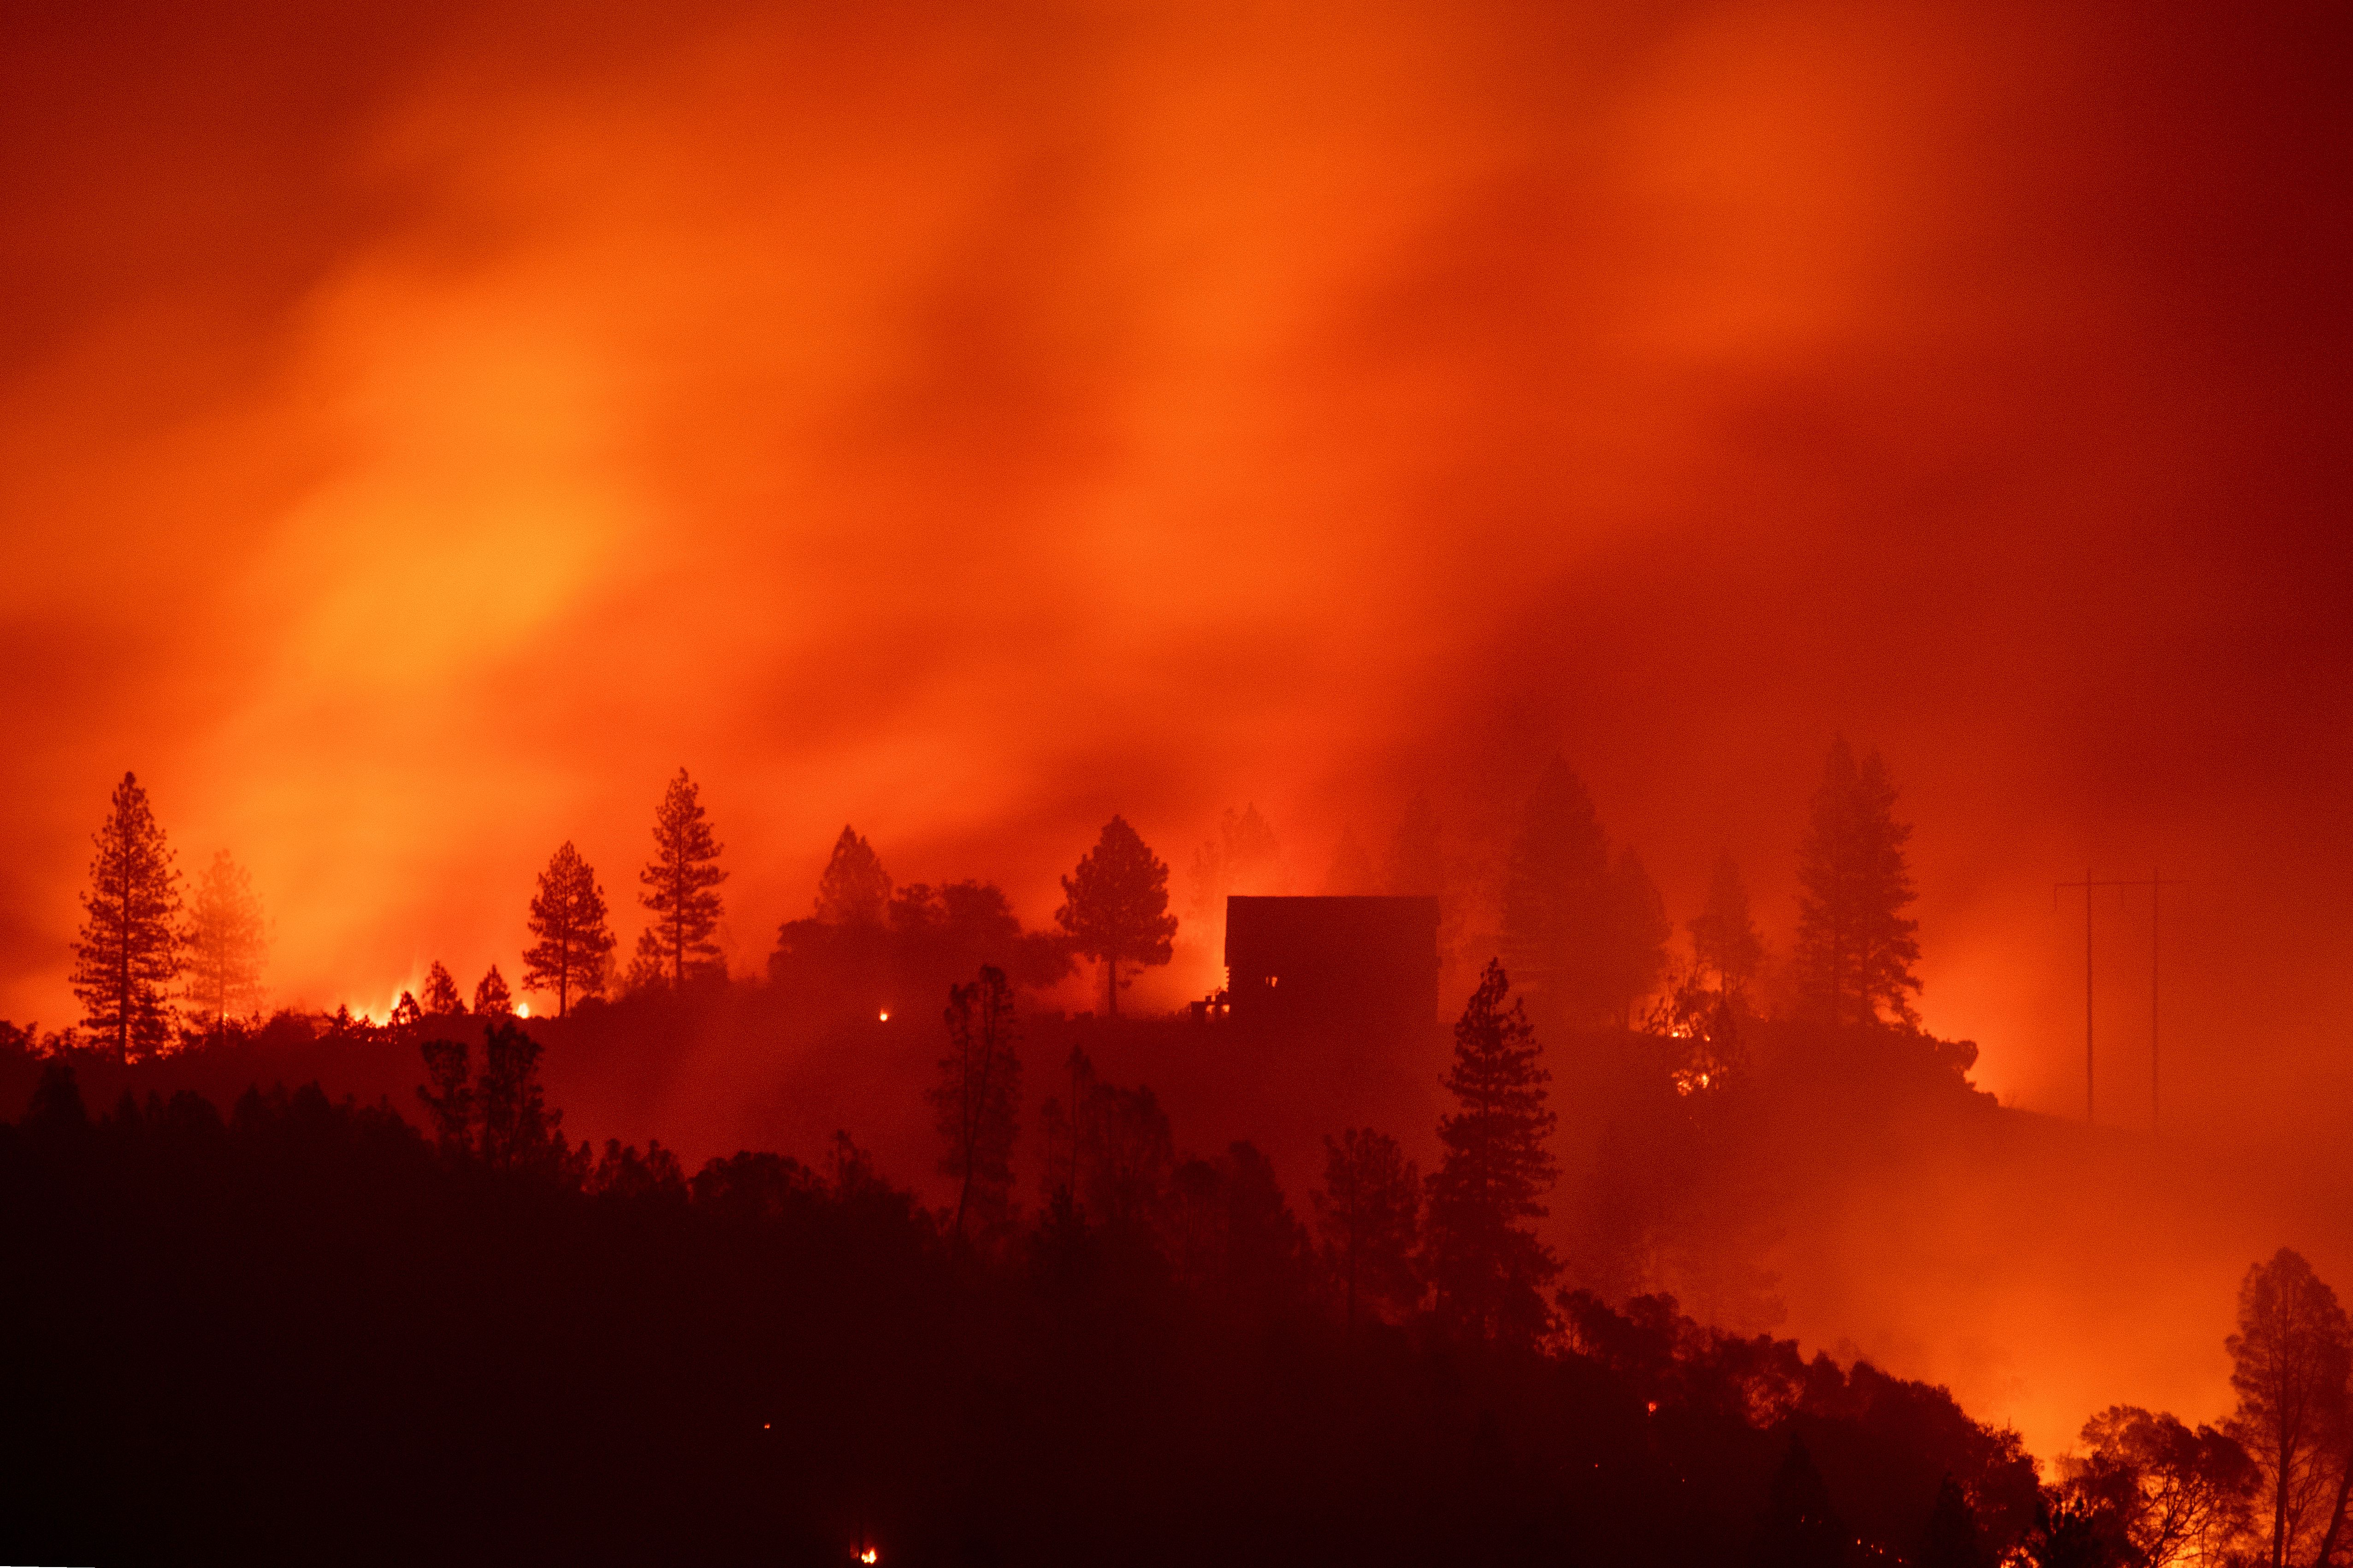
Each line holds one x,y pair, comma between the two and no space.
297,1332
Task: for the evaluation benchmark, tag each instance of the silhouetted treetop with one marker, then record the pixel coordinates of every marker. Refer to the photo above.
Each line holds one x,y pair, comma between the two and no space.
978,1102
224,940
1558,902
129,953
441,997
1484,1257
1115,905
1368,1219
2291,1359
854,889
681,884
574,945
1724,935
491,998
1636,936
1855,947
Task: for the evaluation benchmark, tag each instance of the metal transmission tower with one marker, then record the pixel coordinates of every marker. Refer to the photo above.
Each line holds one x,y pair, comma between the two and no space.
2086,885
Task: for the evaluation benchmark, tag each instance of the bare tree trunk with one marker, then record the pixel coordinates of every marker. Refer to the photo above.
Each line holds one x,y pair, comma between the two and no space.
2321,1558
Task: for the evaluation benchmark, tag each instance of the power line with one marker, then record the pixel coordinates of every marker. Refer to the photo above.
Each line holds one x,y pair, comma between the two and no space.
2156,881
2086,885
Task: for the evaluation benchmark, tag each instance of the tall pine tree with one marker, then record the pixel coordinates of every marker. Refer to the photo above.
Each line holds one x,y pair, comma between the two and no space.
1635,940
679,882
1482,1252
129,953
1559,905
1855,947
442,999
1115,905
225,941
1723,936
574,946
1368,1218
978,1099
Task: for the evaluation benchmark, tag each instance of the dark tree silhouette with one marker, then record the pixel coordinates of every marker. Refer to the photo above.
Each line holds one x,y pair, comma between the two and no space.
1416,866
1558,905
491,998
1636,937
1368,1219
1108,1147
224,940
442,999
568,915
1484,1261
977,1101
129,953
2290,1360
1064,1118
518,1130
1951,1538
2168,1493
1724,936
1115,905
854,889
448,1094
1231,1231
2070,1532
679,882
1800,1529
1855,947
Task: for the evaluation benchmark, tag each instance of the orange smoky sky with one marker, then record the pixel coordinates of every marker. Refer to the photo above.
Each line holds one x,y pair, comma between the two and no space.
423,429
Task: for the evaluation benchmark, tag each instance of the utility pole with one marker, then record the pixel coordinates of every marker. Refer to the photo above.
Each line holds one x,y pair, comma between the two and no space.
2086,885
2158,882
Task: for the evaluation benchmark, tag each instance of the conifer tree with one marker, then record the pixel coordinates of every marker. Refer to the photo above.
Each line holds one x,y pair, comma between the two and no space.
1367,1217
448,1094
441,999
1723,936
680,881
1855,947
129,953
518,1129
574,946
1635,940
224,940
2292,1362
1558,905
1115,905
1482,1252
977,1100
491,998
854,889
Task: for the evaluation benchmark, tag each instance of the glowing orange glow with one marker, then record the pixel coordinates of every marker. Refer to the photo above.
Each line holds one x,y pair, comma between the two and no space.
970,453
870,1555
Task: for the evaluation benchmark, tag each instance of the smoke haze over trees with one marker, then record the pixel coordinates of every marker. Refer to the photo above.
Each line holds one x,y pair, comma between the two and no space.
1501,445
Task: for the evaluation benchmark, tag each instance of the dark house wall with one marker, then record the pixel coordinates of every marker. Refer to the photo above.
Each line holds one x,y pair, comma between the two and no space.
1364,965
